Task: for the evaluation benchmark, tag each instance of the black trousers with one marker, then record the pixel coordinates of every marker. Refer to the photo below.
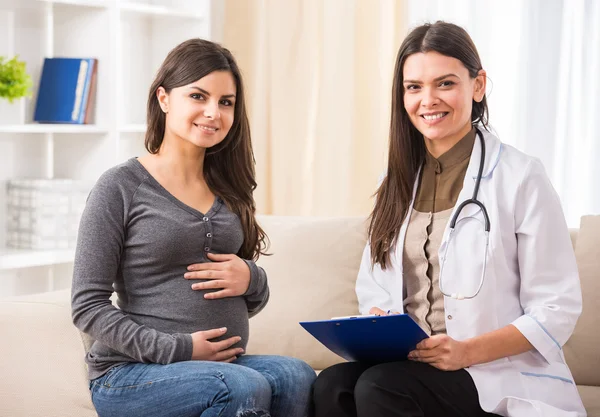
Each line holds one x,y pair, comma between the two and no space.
395,389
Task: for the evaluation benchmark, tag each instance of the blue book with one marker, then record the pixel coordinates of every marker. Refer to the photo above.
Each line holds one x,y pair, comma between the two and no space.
65,91
370,339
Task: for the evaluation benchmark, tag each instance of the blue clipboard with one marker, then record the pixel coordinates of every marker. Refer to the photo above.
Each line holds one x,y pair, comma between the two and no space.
372,339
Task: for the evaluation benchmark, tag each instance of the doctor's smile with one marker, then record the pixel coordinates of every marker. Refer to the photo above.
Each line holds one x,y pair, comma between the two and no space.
434,118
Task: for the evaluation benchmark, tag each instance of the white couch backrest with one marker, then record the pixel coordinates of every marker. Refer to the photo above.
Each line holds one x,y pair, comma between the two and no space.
582,350
311,277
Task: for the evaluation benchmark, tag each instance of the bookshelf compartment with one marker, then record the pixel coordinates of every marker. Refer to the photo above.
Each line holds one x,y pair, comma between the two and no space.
88,22
83,157
21,34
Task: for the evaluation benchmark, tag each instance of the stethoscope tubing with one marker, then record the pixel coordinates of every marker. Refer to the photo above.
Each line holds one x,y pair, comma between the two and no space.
473,200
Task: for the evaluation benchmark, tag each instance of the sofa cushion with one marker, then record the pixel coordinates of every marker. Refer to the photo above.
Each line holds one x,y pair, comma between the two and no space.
591,399
312,274
43,372
581,351
573,234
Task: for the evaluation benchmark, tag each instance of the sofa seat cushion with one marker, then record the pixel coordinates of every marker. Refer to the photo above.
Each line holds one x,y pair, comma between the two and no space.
42,352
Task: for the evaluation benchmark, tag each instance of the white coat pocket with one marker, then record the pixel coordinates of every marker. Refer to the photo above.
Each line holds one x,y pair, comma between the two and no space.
563,390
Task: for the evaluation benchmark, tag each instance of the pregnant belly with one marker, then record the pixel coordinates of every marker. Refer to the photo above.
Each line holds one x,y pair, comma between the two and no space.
190,312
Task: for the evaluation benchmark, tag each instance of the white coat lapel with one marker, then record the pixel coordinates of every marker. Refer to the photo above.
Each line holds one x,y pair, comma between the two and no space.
399,250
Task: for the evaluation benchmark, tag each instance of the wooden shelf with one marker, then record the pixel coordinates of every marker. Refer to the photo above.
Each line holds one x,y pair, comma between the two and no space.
25,258
52,128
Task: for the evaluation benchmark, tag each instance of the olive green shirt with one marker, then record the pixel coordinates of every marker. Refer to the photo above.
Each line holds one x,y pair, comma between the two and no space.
442,178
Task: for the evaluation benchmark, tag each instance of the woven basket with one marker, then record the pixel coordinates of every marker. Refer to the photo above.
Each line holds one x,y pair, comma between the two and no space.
43,213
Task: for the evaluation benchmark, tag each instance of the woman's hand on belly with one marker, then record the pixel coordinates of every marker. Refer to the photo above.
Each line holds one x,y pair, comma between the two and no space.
205,350
227,273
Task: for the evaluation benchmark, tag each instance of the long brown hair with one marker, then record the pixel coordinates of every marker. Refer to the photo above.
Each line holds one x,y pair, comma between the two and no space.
228,166
407,146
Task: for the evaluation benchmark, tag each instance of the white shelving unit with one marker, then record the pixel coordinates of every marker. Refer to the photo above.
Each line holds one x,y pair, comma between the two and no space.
130,39
59,128
19,258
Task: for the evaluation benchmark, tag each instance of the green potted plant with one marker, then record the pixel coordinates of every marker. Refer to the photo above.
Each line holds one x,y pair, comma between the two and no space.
15,84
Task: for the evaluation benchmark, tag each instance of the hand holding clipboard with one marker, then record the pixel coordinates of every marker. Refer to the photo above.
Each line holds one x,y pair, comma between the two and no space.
371,339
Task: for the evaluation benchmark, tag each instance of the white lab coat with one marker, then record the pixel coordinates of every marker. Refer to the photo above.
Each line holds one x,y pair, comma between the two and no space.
531,281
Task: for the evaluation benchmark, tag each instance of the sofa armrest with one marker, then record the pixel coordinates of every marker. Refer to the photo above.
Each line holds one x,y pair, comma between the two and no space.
42,356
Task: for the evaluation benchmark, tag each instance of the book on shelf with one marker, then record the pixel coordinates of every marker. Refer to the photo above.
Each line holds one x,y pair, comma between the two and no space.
66,92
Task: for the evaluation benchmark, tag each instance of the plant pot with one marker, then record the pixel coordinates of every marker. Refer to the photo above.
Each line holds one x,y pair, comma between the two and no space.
14,113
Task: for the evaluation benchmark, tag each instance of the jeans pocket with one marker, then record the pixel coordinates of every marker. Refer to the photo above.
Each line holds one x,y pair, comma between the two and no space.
107,380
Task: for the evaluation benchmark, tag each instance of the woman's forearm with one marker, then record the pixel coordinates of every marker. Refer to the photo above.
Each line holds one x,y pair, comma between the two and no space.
507,341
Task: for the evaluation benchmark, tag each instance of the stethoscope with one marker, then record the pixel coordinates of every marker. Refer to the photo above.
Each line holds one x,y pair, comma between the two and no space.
473,200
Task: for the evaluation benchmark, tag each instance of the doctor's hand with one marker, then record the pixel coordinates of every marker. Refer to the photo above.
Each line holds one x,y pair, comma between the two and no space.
379,312
441,351
227,273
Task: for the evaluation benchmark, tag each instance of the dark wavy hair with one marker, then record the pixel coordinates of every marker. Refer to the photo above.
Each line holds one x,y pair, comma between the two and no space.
407,146
228,166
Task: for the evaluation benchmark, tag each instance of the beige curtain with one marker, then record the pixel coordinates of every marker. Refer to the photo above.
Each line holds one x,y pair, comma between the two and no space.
318,75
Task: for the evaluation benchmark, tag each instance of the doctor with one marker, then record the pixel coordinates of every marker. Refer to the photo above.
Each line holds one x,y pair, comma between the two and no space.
498,305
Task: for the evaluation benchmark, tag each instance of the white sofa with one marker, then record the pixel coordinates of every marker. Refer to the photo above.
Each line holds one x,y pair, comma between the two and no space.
311,274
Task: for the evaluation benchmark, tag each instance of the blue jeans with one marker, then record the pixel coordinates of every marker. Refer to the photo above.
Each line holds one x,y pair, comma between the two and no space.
252,386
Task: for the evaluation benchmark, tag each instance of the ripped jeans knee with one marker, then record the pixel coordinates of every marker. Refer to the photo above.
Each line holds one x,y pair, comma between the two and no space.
253,413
